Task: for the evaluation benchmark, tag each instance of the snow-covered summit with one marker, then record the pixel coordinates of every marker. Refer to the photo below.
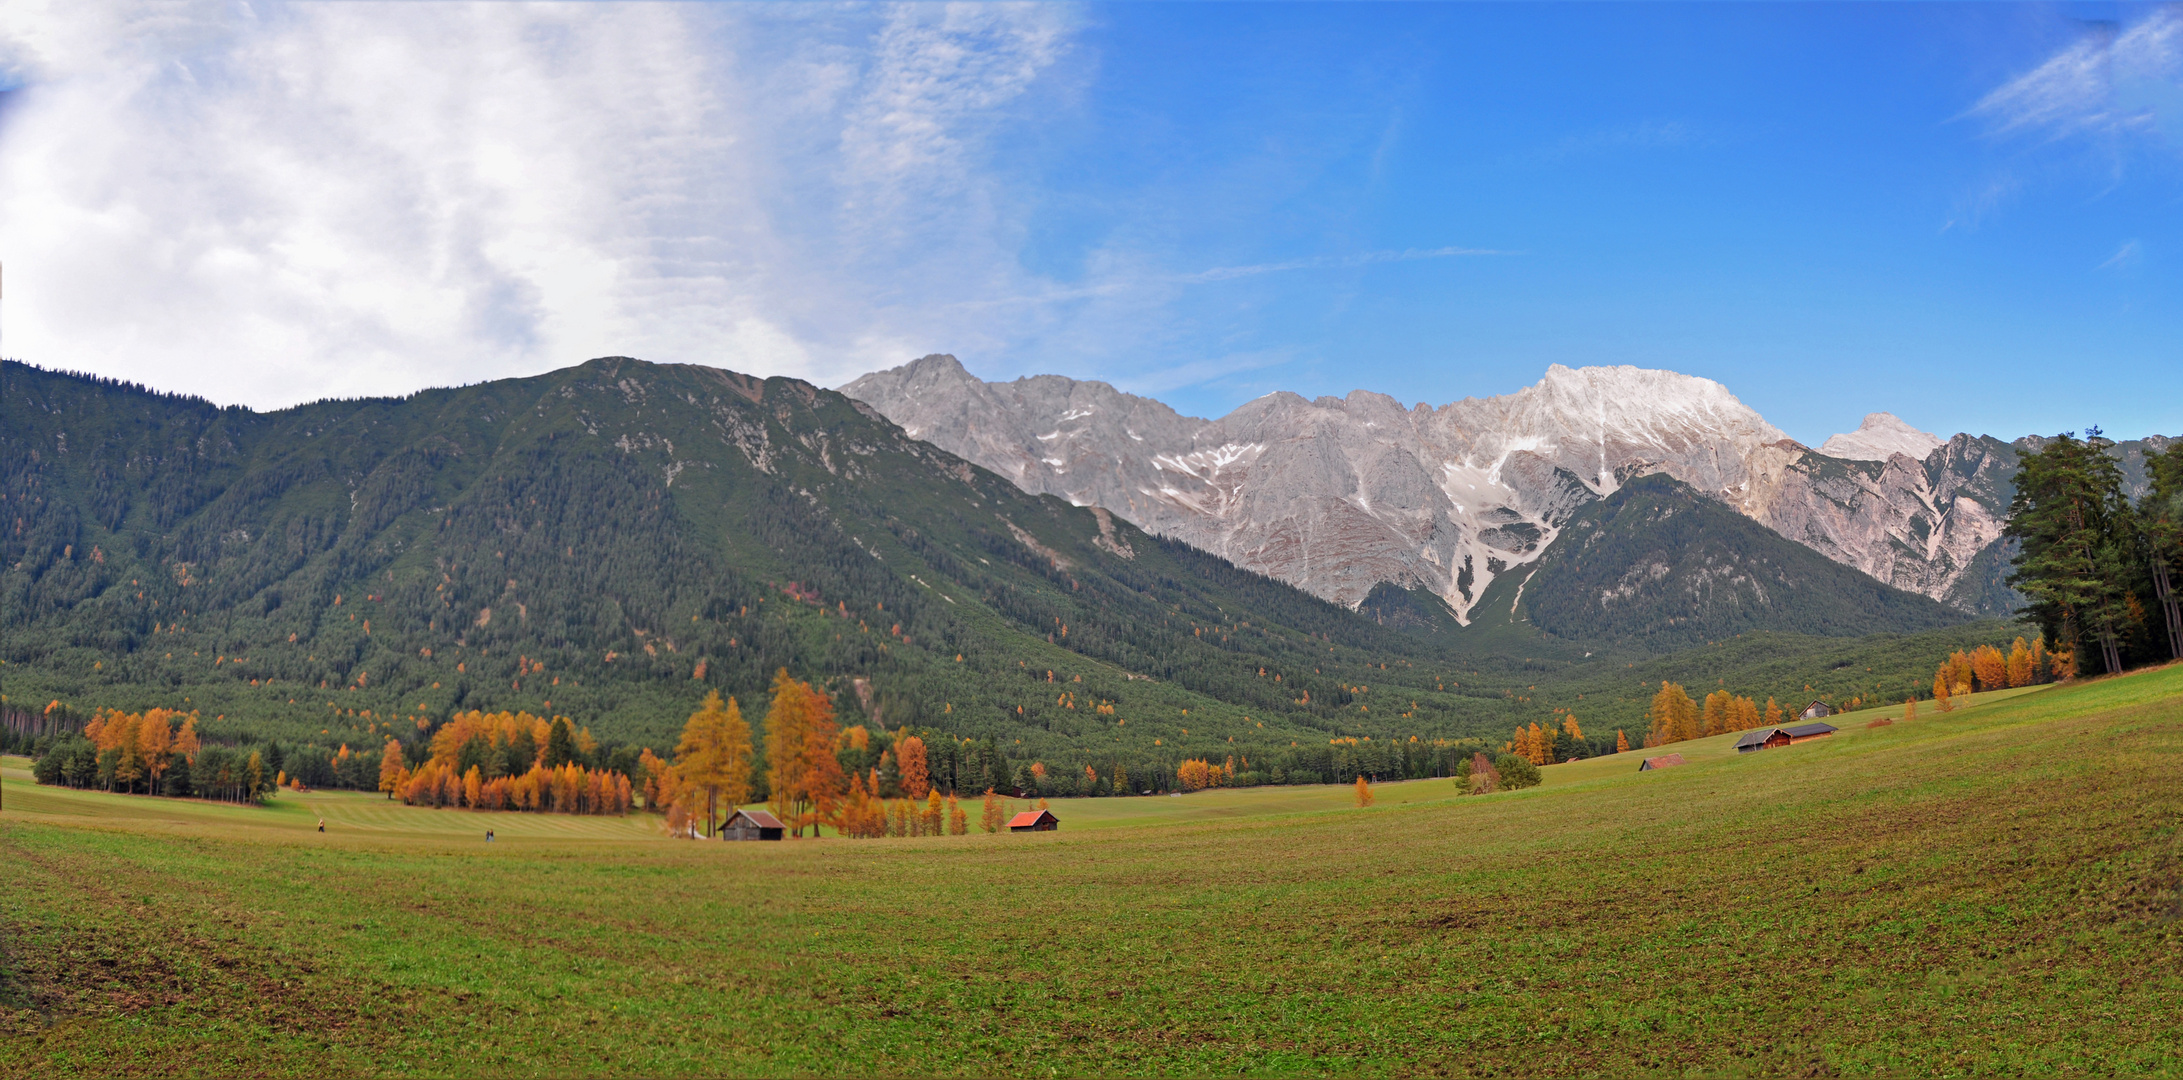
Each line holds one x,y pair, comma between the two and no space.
1880,437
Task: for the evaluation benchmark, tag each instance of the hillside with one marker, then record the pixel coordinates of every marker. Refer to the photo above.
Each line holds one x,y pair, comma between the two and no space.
612,540
1657,563
1956,894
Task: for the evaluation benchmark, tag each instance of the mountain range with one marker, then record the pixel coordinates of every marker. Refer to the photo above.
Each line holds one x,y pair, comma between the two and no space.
1339,495
616,539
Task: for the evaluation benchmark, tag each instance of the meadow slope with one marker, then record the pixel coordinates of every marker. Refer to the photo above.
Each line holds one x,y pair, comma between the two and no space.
1991,890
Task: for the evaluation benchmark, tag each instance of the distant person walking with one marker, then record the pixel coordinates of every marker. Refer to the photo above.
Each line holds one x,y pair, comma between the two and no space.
488,836
322,824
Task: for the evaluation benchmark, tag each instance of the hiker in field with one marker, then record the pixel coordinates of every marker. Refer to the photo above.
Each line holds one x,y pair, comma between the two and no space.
322,824
488,836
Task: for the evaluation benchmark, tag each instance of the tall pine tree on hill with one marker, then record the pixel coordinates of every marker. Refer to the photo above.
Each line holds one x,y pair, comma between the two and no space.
2161,512
2076,530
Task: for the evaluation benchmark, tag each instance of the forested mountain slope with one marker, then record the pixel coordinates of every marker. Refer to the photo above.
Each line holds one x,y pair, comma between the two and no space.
1662,564
613,539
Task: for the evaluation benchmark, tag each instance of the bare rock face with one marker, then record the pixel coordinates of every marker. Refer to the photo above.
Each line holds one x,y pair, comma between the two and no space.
1339,494
1880,437
1930,526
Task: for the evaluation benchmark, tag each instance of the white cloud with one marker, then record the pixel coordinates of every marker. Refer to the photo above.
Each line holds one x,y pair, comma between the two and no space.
2123,257
271,203
2113,80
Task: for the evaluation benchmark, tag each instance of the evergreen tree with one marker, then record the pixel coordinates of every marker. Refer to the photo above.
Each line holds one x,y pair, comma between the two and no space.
2161,512
560,744
2076,532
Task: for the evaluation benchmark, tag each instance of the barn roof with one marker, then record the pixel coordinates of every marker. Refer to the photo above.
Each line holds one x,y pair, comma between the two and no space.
1661,762
757,817
1814,728
1756,737
1030,817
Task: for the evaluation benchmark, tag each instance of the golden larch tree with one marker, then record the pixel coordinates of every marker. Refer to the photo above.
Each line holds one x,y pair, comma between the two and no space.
713,756
909,759
1364,792
393,771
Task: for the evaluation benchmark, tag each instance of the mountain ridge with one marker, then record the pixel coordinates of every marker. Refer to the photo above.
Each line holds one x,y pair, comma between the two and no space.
1340,495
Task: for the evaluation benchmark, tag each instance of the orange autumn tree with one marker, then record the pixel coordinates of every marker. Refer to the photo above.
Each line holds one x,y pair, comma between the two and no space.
808,785
1622,742
713,757
990,820
392,769
1364,792
909,761
1674,716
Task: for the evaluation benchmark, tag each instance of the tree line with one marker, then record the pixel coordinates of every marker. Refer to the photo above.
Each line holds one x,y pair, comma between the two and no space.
2092,564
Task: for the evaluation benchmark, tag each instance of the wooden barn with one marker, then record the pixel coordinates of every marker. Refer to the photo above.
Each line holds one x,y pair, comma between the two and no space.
1034,821
1817,709
1808,732
1664,761
751,825
1762,739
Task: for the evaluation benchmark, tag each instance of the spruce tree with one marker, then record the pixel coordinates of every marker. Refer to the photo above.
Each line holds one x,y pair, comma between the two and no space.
2075,527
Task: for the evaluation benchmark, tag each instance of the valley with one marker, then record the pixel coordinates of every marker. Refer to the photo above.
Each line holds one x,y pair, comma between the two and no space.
1993,890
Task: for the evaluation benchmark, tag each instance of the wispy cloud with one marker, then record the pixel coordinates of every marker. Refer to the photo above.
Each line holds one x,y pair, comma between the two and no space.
2113,80
270,202
1335,262
1136,282
2123,257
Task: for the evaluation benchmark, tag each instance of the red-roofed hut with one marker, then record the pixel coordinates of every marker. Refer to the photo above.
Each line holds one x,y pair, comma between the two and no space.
1034,821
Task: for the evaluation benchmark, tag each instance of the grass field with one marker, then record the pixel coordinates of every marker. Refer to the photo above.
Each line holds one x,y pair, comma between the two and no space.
1994,890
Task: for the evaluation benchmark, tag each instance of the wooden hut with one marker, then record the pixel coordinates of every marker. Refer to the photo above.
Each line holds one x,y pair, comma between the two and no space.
1816,710
1807,732
1034,821
1762,739
1664,761
751,825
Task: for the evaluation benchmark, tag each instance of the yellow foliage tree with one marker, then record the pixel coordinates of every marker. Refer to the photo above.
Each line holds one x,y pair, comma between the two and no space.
713,756
1364,792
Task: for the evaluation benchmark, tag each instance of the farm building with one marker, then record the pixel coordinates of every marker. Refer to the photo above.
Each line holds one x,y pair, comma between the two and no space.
1664,761
1762,739
1817,709
1803,732
751,825
1034,821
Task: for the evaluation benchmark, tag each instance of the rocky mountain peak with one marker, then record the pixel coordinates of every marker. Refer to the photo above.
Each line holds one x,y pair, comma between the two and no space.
1880,437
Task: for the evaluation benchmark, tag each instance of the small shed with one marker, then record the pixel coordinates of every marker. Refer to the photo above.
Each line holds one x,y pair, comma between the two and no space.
1665,761
1762,739
1804,732
1034,821
751,825
1817,709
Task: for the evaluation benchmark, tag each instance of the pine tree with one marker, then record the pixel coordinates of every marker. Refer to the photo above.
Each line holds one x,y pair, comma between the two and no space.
2161,512
2076,534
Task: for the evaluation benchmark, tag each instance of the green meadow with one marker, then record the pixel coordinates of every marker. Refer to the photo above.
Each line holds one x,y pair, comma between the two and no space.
1998,889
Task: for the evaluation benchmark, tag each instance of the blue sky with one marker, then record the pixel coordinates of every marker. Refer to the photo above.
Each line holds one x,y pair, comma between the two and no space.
1968,215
